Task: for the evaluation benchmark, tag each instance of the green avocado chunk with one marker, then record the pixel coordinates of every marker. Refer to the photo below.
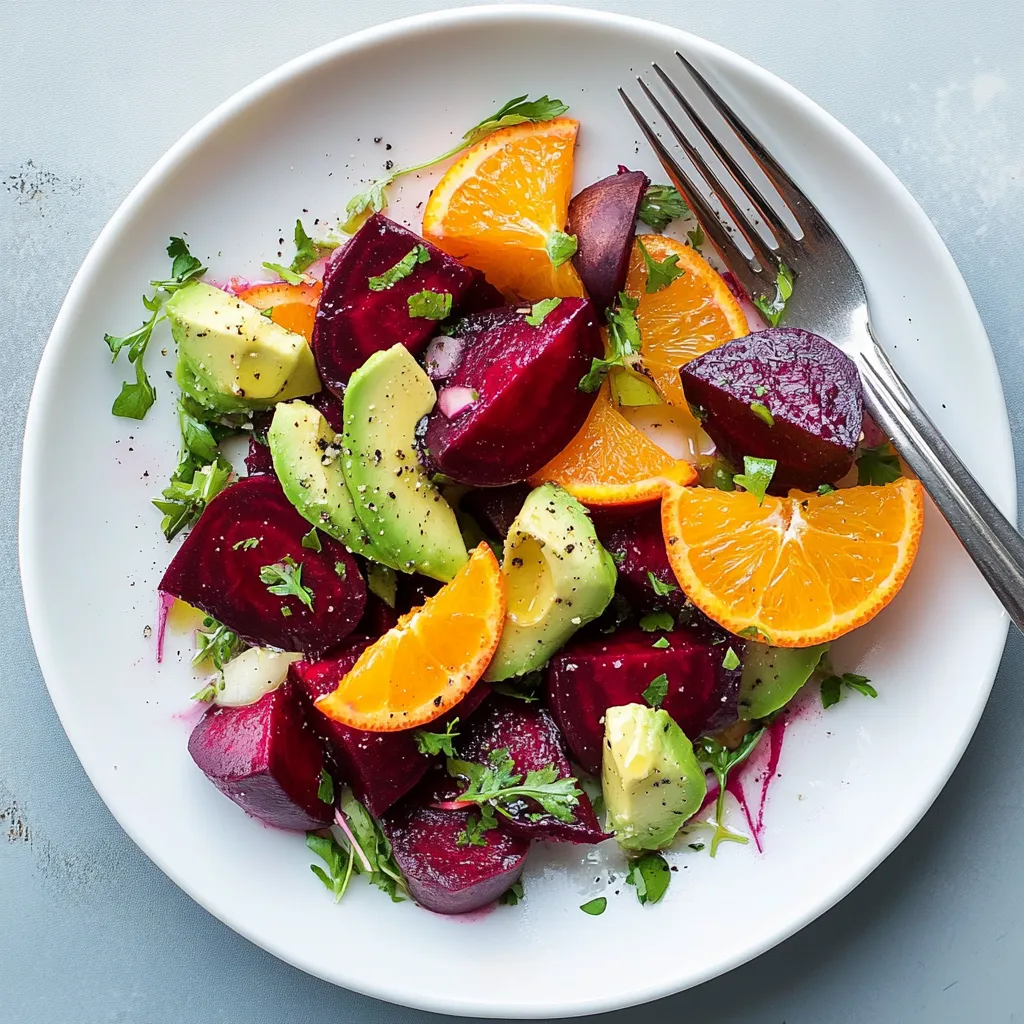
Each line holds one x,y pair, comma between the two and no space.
231,358
558,577
307,460
772,676
650,777
403,513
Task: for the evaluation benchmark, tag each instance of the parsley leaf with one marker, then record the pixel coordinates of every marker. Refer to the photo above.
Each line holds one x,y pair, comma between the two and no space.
522,687
184,266
649,874
772,309
372,849
721,761
285,273
560,247
325,791
284,579
661,589
540,310
832,687
206,695
731,660
517,111
661,643
756,476
135,400
659,275
753,633
431,743
216,643
696,237
762,412
595,908
657,691
402,269
512,895
308,250
477,827
311,541
191,489
623,342
826,489
430,305
717,473
661,205
878,465
340,863
382,581
657,620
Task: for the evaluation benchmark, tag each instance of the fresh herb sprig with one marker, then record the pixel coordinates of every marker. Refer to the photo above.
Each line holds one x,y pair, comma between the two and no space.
623,342
401,270
284,579
661,205
772,309
878,465
191,489
216,643
834,686
722,761
650,875
433,743
660,273
756,476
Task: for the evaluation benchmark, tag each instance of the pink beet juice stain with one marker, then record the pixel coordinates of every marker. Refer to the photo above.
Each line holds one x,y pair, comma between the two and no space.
163,607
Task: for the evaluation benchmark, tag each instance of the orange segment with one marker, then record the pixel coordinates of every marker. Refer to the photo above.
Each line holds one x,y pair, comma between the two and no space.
500,202
293,306
424,666
610,462
799,570
694,314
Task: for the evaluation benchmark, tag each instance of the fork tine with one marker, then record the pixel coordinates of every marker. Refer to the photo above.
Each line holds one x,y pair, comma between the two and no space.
761,251
749,279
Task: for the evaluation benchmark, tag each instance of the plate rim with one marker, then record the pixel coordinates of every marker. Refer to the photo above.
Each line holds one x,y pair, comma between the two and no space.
235,105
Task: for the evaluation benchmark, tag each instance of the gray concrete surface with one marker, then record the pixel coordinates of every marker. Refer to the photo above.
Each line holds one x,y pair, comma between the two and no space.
90,96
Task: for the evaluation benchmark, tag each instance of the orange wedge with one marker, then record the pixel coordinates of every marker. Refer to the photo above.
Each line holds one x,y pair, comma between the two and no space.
293,306
498,206
695,313
793,571
611,462
427,663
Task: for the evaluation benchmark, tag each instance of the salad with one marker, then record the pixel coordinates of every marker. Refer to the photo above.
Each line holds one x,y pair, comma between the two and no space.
543,526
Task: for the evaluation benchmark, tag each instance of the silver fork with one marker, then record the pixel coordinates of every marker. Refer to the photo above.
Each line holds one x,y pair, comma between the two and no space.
751,232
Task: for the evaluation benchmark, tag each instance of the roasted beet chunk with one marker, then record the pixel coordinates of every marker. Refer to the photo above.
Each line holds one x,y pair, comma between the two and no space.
266,759
249,526
782,394
258,459
444,873
355,319
381,767
590,676
512,403
603,219
533,742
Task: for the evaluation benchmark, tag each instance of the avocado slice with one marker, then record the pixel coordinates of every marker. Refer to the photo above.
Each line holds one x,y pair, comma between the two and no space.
772,676
650,777
307,460
558,577
403,513
231,358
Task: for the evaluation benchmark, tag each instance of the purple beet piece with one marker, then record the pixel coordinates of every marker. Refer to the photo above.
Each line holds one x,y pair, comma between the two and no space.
444,875
603,219
591,675
480,295
529,406
258,459
216,570
265,758
496,508
805,387
353,321
381,767
533,742
330,407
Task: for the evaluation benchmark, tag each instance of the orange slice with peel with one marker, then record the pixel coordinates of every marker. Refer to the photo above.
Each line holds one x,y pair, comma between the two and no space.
293,306
426,664
793,571
499,205
611,462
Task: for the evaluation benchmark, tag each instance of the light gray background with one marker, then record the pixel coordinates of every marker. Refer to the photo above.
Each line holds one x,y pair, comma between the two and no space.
90,96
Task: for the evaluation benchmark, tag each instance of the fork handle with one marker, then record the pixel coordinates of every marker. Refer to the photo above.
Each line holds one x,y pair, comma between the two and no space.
990,539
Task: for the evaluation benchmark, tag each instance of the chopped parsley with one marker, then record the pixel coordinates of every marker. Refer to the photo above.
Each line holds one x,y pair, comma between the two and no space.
623,342
308,250
284,579
429,305
649,874
657,691
731,660
661,643
762,412
286,273
661,205
184,267
659,274
216,643
596,907
311,541
654,621
756,476
540,310
695,236
878,465
401,270
560,247
191,489
832,687
721,761
772,309
431,743
325,791
512,895
826,489
340,570
661,589
245,545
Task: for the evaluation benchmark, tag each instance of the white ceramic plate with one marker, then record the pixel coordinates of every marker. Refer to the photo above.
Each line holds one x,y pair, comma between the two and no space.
300,139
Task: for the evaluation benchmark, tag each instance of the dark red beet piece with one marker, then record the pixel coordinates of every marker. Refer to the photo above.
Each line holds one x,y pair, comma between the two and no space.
265,758
330,407
529,406
442,874
805,384
480,295
353,321
381,767
603,219
591,675
215,571
496,508
258,459
533,742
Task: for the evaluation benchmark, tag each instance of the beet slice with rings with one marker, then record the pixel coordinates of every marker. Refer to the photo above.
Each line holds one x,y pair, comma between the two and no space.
531,737
354,320
381,767
443,873
591,675
266,759
251,525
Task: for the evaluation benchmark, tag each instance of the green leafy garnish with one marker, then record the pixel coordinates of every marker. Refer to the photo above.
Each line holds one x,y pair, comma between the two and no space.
285,273
245,545
325,791
205,695
596,907
512,895
661,205
430,305
135,399
717,473
762,412
284,579
832,687
560,247
618,557
657,690
540,310
191,489
772,309
524,687
824,489
661,589
695,236
756,476
308,250
477,827
878,465
659,275
753,633
340,570
661,643
402,269
311,541
431,743
649,874
731,660
184,267
216,643
382,581
654,621
721,761
623,342
340,861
